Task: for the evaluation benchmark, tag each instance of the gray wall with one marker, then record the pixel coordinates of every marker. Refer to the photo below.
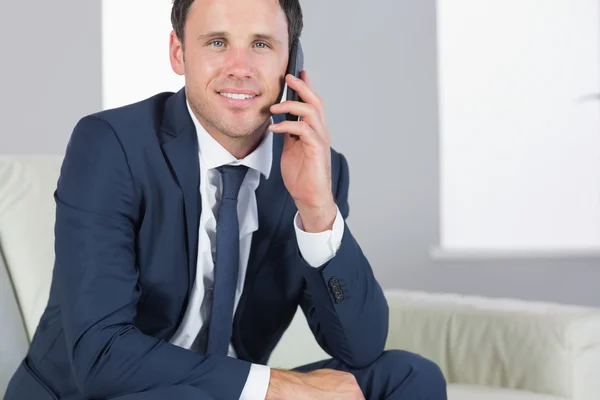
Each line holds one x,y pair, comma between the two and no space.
374,63
50,73
377,74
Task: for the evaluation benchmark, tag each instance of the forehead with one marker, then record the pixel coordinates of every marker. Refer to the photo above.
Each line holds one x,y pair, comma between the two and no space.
242,16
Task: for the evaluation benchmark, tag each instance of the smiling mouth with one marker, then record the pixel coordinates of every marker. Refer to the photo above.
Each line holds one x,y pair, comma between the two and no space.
238,96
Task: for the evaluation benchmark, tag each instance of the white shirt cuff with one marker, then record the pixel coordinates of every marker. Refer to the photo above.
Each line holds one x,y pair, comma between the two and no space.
257,384
319,248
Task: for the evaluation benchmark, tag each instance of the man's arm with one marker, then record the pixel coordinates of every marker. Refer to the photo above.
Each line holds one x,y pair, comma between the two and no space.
316,249
96,214
343,303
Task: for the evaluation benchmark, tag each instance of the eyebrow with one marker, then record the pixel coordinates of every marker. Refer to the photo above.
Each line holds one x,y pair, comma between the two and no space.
211,35
223,34
266,38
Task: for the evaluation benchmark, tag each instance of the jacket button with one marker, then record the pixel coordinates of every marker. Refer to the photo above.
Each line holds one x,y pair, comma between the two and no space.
336,289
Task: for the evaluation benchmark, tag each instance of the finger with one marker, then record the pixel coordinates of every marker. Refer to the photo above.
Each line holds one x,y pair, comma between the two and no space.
304,77
307,112
289,140
298,128
304,90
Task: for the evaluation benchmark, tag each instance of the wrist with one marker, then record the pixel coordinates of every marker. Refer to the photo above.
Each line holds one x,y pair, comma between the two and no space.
317,219
282,384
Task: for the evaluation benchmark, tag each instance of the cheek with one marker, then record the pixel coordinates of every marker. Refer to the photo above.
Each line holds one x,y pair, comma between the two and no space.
274,74
204,70
212,63
269,66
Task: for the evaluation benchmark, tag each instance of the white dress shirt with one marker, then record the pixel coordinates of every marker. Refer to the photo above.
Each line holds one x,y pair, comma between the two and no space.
316,248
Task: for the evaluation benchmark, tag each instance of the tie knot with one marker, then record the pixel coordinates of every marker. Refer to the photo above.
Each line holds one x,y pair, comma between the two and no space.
232,176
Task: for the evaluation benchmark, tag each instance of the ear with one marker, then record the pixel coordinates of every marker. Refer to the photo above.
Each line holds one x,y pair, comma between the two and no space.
176,54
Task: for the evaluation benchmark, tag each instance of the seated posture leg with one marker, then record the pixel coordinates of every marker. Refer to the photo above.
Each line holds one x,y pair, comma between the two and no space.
168,393
395,375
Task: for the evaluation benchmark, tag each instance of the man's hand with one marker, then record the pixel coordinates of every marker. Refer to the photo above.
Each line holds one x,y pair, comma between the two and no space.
306,158
322,384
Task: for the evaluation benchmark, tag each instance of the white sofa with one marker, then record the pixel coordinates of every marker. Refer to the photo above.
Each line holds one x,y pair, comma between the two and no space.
488,349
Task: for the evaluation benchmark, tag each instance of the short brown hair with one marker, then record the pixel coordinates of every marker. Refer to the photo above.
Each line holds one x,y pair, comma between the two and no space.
291,8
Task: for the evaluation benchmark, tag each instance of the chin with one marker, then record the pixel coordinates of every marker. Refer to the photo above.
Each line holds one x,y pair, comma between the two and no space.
244,128
234,121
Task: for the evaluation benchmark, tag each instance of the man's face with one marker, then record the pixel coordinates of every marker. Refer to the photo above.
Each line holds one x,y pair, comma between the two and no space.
235,57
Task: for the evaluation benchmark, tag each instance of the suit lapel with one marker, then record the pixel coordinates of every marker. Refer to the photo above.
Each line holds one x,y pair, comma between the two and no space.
180,147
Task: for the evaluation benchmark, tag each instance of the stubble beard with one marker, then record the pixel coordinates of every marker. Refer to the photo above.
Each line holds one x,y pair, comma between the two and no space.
235,127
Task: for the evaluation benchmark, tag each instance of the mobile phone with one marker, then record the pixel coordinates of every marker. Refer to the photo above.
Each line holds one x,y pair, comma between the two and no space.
295,66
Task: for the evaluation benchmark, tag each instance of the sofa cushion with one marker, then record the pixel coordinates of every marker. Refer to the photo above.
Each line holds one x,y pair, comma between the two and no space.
468,392
515,344
27,214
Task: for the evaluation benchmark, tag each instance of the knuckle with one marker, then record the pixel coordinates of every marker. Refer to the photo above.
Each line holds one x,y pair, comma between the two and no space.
316,114
350,377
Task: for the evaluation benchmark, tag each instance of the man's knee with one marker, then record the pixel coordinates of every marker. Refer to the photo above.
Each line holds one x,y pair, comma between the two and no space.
422,371
171,392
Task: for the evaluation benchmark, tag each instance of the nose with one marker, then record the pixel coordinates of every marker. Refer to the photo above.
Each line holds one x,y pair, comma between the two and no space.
239,64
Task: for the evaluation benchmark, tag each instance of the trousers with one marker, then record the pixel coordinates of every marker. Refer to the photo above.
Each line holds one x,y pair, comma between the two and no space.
395,375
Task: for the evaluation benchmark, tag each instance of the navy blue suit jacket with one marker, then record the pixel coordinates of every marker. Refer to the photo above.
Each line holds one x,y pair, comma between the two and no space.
126,242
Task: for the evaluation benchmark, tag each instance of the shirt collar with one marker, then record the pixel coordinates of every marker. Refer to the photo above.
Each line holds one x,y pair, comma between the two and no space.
214,155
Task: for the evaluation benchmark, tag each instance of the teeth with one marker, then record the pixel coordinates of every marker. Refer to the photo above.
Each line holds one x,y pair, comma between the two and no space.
238,96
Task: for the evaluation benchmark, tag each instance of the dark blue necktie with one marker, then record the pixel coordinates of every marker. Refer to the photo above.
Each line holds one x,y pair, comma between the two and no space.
227,261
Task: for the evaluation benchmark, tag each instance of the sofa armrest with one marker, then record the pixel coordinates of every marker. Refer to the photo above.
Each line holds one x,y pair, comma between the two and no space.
540,347
13,337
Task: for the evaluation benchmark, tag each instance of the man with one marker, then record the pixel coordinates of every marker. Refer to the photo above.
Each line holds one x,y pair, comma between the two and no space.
189,228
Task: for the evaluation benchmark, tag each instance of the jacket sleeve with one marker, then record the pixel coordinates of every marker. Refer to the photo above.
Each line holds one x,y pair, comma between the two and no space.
343,303
95,234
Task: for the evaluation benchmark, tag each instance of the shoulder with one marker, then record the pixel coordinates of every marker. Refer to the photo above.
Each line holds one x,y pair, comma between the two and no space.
340,179
131,123
128,133
141,114
339,164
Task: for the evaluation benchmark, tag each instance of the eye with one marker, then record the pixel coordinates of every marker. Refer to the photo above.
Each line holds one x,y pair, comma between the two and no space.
217,43
262,45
